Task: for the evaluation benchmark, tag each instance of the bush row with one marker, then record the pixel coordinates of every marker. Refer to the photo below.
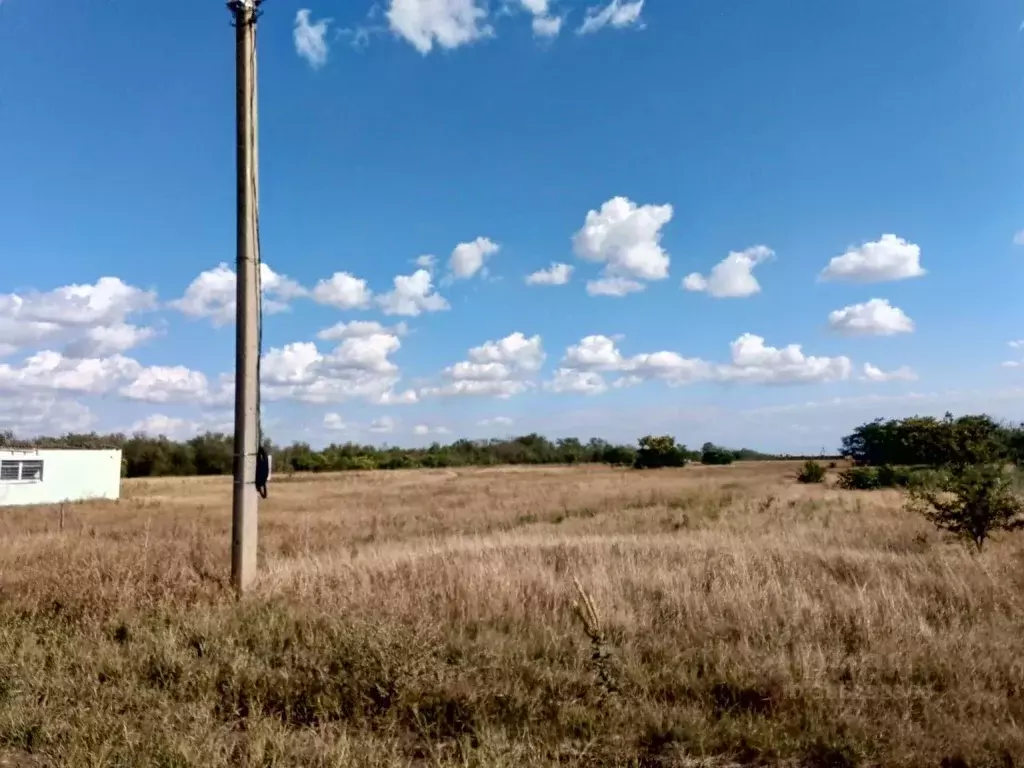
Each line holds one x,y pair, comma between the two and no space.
969,501
211,453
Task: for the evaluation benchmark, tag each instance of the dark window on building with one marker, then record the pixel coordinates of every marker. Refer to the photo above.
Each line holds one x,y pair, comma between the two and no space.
32,470
21,469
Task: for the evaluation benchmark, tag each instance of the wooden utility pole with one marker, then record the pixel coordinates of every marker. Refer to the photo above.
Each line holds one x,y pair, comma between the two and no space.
245,501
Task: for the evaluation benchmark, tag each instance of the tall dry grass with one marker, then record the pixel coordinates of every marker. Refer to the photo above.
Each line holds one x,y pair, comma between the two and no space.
433,618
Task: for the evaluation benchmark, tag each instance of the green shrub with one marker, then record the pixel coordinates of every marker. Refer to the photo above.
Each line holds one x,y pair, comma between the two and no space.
657,452
362,462
873,478
812,472
436,461
397,461
893,477
717,456
971,503
859,479
619,455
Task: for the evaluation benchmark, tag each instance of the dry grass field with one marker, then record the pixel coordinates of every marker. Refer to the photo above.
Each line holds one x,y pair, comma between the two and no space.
427,618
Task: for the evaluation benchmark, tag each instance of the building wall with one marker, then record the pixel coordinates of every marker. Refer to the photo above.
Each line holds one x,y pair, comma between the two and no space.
67,476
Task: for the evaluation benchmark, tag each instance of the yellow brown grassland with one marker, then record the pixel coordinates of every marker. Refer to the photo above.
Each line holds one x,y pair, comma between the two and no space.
509,617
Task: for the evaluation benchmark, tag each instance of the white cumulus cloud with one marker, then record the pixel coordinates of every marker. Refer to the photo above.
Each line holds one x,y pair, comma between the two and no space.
873,373
49,370
360,329
754,361
360,367
107,302
667,366
104,340
343,291
334,422
212,294
173,384
468,259
733,277
626,238
91,318
876,317
567,380
446,23
515,349
291,364
44,414
890,258
545,23
547,26
425,429
412,295
616,14
556,274
594,353
613,286
586,364
501,368
311,38
405,397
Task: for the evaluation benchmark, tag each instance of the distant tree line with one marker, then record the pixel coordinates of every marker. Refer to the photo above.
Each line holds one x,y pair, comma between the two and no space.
918,441
925,441
902,453
211,453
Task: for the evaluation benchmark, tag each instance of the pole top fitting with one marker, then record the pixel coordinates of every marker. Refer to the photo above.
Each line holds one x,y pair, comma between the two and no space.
239,7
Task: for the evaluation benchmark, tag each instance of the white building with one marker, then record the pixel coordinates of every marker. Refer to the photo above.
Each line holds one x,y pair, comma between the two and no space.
42,476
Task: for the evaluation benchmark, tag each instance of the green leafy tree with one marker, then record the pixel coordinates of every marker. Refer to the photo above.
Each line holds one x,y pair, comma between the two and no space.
716,455
619,455
749,454
657,452
570,450
972,503
398,461
214,453
927,441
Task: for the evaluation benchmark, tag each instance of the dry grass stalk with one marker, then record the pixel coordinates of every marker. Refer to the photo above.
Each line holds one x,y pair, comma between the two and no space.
601,653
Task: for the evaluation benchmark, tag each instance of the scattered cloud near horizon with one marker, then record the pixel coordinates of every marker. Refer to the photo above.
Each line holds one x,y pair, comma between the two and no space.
71,348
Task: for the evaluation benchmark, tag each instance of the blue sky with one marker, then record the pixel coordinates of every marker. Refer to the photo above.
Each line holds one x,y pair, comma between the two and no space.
855,169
